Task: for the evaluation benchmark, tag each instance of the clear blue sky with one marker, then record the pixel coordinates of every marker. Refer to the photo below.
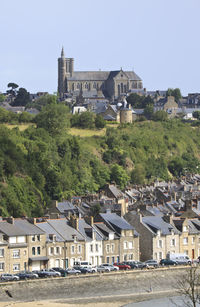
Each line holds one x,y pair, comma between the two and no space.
158,38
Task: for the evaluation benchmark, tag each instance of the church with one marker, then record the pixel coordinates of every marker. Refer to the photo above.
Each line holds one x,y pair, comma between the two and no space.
108,84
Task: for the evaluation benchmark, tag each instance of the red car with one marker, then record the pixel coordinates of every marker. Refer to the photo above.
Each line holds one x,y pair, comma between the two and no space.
122,266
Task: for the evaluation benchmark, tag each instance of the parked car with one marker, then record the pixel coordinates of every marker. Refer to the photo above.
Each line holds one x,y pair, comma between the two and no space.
110,266
102,269
27,275
9,277
168,262
47,273
73,271
62,271
83,270
136,264
122,266
151,264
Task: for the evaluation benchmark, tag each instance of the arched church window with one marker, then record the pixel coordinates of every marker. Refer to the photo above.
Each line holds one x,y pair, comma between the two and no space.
78,85
86,85
94,85
121,87
72,86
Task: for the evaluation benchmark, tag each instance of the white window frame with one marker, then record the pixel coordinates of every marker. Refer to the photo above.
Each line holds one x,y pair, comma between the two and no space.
1,252
16,267
73,249
16,253
2,266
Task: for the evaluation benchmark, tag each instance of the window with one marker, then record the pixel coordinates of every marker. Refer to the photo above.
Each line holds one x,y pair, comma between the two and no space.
16,267
51,250
107,259
33,250
186,252
160,243
131,257
173,242
24,252
97,247
33,238
184,228
112,248
160,255
107,248
16,253
38,250
57,250
91,248
72,249
193,240
79,249
1,252
113,259
185,240
125,245
94,85
130,244
38,237
125,257
2,266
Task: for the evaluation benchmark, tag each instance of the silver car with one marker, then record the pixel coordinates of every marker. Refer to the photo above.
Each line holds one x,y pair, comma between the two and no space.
9,277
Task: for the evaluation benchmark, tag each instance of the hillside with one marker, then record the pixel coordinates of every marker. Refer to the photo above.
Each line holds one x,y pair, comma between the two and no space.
40,164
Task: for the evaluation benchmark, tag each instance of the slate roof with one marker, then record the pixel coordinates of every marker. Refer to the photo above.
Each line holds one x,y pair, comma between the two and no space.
116,221
65,230
11,230
28,228
65,206
101,75
89,76
86,230
156,223
115,191
45,226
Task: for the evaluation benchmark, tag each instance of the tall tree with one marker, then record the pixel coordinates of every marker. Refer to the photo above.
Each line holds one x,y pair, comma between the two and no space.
22,98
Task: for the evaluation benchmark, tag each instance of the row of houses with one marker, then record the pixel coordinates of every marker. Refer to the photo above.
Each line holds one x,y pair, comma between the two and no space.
45,243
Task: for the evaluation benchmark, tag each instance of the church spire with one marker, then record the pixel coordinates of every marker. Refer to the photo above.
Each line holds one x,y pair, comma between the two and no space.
62,53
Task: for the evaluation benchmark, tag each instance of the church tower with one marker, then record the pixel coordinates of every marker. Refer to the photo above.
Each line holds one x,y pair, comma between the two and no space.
62,74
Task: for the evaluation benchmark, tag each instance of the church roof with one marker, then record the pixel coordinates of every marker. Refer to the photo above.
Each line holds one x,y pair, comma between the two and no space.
100,75
89,76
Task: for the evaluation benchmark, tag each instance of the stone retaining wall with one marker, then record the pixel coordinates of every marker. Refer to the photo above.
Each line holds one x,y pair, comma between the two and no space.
119,283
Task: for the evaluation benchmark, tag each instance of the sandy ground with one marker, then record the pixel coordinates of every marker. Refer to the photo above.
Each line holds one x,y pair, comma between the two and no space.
57,304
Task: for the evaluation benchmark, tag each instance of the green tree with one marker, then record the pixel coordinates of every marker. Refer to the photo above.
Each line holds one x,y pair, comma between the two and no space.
160,116
2,98
174,92
13,89
119,175
138,175
22,98
43,101
196,114
54,119
99,121
149,111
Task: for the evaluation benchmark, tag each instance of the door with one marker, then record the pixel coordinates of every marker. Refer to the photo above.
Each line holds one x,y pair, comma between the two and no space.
66,263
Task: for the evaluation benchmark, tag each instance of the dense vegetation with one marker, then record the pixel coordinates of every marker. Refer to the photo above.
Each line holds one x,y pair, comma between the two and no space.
45,162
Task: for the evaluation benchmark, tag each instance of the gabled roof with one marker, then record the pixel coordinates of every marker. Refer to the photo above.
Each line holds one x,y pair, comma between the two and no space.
156,223
11,230
28,228
65,230
89,76
86,230
49,230
116,221
65,206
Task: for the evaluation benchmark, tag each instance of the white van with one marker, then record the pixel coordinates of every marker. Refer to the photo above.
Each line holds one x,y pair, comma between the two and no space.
179,258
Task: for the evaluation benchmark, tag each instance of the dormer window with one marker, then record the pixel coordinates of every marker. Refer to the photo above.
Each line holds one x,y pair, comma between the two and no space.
74,237
185,228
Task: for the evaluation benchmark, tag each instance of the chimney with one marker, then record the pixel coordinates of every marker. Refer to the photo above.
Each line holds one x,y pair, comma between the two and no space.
89,220
10,220
74,221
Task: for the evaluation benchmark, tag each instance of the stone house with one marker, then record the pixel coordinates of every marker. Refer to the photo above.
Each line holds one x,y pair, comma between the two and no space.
168,105
128,244
189,237
55,245
36,243
74,242
157,237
